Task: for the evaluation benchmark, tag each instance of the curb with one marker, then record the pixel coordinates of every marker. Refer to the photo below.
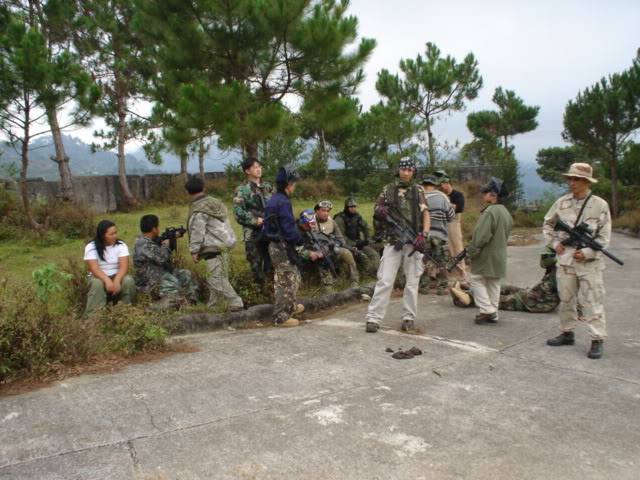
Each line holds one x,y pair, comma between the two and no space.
206,322
626,231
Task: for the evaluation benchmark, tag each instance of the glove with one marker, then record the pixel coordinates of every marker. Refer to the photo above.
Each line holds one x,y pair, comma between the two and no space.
419,243
360,244
381,212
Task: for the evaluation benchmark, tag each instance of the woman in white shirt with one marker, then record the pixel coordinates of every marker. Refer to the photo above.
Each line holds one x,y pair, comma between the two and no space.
107,260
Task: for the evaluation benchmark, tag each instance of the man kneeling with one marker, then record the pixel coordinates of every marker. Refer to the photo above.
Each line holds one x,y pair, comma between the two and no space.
155,274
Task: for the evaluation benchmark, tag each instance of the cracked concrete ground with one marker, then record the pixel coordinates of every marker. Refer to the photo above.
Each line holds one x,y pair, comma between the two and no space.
325,401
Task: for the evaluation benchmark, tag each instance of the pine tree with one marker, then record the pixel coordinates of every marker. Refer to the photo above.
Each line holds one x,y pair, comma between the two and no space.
432,86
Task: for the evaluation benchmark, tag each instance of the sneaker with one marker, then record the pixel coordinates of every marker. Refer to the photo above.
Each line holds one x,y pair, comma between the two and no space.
484,318
408,325
565,338
372,327
460,296
292,322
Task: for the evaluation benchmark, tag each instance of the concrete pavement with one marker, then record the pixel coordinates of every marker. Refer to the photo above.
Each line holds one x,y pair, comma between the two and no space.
325,401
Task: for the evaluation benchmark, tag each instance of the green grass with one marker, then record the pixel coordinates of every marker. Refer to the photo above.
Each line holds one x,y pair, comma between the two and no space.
18,259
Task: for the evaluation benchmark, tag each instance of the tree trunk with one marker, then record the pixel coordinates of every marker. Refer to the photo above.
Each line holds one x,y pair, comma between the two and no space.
66,185
324,161
251,150
201,152
431,146
614,184
26,203
122,169
184,159
506,145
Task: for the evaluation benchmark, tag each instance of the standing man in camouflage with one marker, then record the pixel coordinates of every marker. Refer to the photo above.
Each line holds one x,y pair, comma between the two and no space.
579,271
356,234
488,251
541,298
280,228
249,202
155,273
441,214
402,200
210,239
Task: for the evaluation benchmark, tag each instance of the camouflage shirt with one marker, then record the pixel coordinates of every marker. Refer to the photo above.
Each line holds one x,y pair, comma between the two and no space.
543,297
248,206
150,261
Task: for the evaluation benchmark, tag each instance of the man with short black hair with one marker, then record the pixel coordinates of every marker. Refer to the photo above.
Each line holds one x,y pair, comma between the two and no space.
210,239
249,201
155,273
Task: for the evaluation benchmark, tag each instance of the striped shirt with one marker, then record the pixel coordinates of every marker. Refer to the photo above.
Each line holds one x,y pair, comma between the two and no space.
441,213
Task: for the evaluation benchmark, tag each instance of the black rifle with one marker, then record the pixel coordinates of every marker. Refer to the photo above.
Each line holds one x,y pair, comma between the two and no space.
581,236
457,259
401,234
170,234
337,243
317,246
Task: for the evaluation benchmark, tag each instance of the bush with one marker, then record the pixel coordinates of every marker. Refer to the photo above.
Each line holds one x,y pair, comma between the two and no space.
629,221
220,188
173,194
317,190
72,220
127,329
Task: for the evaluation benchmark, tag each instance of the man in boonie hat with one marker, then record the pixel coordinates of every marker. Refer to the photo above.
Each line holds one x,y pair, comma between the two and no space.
579,270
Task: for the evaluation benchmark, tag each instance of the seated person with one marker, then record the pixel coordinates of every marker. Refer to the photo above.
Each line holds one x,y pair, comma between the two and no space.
107,260
541,298
330,231
316,253
155,274
356,235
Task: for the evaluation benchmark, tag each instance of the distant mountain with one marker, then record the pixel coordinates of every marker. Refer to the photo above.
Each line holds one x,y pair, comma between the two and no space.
214,161
81,160
534,187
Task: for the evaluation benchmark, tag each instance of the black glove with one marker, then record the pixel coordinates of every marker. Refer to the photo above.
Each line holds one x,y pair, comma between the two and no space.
300,242
360,244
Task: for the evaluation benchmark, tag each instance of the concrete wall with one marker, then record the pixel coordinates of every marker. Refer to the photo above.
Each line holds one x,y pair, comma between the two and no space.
103,192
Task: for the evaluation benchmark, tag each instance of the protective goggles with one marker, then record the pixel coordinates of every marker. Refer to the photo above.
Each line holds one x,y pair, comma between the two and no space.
324,204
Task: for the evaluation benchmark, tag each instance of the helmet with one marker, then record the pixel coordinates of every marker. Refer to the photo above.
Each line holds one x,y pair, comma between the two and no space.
350,202
406,162
495,186
287,175
547,258
323,204
309,217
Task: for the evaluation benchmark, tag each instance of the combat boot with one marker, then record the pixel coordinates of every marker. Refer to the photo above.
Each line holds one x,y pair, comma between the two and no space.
597,348
565,338
372,327
292,322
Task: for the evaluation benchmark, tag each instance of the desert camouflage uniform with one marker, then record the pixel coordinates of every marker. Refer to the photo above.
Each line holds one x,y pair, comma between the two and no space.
247,208
211,238
541,298
580,282
156,276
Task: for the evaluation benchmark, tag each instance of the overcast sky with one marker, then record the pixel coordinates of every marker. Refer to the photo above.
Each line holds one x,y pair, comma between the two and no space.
546,51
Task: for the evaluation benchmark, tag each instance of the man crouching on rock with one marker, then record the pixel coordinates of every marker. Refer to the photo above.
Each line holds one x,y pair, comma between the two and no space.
155,274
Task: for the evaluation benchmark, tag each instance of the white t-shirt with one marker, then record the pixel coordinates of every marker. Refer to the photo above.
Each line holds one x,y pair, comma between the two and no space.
110,265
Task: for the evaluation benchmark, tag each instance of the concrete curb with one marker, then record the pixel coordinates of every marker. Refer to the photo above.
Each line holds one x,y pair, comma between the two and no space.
203,322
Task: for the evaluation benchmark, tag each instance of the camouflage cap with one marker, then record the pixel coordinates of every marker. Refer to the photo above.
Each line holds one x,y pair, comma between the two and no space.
430,180
351,201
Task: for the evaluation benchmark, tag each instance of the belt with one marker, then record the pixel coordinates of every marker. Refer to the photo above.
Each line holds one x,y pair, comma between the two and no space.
210,255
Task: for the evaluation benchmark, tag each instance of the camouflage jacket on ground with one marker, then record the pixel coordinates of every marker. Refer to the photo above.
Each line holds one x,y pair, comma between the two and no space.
248,205
543,297
150,261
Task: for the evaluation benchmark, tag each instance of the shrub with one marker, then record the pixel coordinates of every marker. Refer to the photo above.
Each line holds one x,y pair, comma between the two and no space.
629,221
317,190
8,201
173,194
127,329
72,220
219,188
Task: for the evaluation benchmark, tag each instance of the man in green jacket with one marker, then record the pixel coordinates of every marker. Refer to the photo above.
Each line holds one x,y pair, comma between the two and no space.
488,251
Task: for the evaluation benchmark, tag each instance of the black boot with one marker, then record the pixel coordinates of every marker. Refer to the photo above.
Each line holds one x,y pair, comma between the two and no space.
565,338
597,348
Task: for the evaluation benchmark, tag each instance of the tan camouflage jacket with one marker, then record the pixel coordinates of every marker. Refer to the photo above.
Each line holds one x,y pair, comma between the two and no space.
209,227
596,214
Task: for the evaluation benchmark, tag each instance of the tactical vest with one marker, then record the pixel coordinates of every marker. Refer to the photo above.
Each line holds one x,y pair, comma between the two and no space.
406,203
351,225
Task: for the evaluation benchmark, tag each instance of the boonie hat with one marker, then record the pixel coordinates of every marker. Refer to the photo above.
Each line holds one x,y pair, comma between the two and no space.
581,170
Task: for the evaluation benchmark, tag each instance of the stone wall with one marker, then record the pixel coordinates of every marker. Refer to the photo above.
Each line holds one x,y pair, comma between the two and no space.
103,192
